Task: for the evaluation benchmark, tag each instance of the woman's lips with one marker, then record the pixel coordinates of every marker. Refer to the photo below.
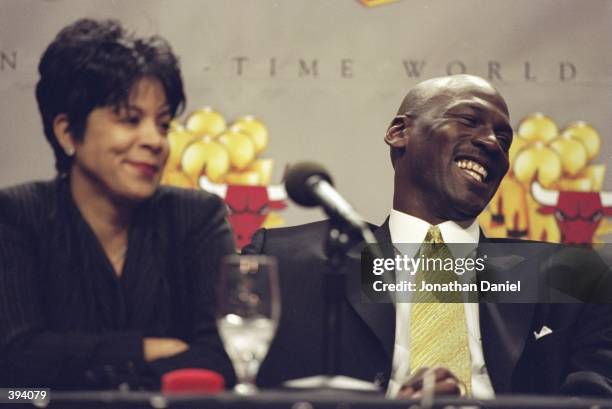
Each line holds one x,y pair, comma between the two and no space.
145,169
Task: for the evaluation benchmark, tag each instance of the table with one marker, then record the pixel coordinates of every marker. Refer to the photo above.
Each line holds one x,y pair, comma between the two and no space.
283,399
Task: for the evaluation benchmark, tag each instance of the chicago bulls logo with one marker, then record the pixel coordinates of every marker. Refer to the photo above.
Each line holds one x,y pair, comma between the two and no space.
248,206
578,214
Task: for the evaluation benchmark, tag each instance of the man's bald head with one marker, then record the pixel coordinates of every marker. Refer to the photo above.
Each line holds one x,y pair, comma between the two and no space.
436,90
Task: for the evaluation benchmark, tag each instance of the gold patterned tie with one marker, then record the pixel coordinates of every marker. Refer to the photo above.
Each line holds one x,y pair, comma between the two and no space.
438,330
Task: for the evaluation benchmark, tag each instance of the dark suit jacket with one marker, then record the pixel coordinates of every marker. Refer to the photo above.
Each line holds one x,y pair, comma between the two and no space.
67,320
575,359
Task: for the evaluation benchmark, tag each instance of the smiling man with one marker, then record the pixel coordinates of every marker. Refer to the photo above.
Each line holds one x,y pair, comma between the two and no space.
449,150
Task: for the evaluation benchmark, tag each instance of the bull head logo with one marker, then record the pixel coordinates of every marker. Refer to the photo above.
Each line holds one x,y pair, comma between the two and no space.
248,206
578,214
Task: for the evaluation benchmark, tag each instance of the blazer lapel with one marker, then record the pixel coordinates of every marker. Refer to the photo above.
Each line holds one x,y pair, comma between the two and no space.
379,317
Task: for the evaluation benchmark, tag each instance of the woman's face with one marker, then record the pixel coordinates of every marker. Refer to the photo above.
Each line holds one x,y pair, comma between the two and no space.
122,152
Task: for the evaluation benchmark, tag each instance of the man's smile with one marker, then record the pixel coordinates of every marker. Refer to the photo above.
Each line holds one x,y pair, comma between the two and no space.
473,168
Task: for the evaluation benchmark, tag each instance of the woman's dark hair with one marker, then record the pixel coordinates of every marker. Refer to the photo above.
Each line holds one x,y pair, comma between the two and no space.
93,64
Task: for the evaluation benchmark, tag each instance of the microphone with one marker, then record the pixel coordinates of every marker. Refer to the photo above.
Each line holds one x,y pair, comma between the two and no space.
308,184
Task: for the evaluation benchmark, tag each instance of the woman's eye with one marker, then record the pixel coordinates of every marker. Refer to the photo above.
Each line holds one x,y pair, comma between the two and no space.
131,120
164,127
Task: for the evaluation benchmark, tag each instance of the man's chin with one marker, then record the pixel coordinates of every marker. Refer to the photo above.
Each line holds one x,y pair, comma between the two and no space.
469,209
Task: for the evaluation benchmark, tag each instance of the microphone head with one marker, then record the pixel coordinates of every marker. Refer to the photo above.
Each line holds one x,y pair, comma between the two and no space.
297,182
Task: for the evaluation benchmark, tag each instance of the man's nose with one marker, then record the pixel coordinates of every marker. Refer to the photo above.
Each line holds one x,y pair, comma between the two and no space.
486,139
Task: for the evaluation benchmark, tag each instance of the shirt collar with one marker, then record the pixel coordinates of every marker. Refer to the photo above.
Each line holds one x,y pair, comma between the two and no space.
405,228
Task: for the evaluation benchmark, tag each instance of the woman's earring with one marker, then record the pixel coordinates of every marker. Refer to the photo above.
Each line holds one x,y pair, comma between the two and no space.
70,151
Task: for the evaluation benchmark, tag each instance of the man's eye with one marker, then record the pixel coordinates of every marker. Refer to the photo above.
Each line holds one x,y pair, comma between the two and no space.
505,141
468,121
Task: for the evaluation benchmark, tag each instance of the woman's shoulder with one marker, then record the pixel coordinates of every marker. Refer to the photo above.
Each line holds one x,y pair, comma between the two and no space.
176,196
27,200
188,203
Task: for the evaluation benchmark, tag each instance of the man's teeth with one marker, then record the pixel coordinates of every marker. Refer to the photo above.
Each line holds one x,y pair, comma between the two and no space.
473,169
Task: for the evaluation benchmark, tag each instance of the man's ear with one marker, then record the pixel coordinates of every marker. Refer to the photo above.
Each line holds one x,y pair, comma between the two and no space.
399,131
61,129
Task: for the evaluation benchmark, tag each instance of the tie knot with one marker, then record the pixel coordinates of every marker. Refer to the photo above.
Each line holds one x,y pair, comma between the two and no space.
433,236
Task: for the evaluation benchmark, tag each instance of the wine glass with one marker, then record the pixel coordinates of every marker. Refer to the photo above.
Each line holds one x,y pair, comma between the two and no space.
247,313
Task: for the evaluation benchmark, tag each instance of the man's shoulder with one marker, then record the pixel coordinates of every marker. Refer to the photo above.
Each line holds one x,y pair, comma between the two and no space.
305,240
504,240
300,239
512,246
298,232
540,247
569,271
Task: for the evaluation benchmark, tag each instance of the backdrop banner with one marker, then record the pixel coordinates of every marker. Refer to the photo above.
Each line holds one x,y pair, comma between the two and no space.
271,83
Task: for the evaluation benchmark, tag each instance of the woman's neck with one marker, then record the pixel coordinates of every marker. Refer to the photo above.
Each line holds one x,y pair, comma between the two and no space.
108,217
98,207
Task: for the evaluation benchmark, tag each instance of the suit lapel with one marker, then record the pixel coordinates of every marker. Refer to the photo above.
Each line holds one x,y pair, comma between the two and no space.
379,317
504,328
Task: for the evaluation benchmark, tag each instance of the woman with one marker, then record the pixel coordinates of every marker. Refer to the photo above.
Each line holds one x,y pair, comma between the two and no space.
105,277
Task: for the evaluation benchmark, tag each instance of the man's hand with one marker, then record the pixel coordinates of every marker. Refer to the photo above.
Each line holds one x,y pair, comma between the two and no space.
156,348
444,382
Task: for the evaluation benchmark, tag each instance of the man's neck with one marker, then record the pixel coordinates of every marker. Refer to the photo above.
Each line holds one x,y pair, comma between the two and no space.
413,200
406,228
432,219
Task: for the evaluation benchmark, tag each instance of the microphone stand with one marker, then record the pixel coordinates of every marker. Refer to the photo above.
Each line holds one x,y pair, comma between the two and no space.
338,243
341,237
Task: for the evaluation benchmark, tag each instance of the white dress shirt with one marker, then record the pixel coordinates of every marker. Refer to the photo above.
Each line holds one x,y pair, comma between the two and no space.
409,229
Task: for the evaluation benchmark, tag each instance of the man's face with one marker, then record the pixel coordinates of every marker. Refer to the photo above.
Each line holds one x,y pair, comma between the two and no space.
457,152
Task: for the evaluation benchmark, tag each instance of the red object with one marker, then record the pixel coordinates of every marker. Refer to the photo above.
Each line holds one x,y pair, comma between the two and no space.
578,215
248,208
191,380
